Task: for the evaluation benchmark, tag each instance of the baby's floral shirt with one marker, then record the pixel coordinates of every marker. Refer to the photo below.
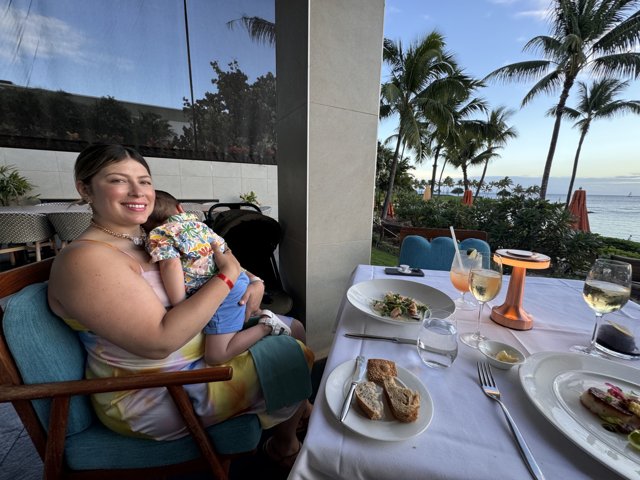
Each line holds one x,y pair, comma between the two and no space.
184,236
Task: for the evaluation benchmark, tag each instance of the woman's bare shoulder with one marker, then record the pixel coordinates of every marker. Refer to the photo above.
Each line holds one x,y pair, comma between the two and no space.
100,287
85,256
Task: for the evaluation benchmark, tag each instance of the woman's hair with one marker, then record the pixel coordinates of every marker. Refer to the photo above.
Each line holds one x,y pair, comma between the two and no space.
97,156
165,206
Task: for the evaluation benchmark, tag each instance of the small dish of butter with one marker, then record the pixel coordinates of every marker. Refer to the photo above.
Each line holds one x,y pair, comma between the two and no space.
501,355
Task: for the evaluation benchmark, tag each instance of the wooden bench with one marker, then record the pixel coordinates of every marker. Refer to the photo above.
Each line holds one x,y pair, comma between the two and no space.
431,233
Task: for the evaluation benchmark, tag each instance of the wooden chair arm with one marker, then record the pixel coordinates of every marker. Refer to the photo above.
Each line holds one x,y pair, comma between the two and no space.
61,393
10,393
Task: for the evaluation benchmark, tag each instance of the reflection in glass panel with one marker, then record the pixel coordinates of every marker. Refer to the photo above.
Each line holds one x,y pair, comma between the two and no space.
174,78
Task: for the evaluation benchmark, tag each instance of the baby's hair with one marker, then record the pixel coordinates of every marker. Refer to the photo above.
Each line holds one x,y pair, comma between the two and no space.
165,206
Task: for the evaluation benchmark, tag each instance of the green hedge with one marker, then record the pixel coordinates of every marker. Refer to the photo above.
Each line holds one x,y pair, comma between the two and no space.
517,222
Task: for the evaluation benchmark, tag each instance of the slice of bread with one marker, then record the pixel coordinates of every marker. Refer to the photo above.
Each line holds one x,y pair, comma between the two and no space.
403,402
369,401
378,369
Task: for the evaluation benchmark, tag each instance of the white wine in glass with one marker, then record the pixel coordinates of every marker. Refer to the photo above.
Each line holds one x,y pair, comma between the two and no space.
606,289
485,284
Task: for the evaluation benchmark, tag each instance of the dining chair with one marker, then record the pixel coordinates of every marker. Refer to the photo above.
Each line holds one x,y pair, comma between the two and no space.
23,231
68,225
42,366
437,254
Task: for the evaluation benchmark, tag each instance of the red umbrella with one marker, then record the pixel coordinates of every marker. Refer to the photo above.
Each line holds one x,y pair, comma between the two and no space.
578,208
467,198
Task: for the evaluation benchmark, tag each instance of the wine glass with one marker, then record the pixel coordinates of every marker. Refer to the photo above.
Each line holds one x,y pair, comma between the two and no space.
485,282
459,274
606,289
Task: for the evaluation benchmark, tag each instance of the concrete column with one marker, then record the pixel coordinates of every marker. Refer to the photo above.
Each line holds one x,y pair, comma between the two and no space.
328,61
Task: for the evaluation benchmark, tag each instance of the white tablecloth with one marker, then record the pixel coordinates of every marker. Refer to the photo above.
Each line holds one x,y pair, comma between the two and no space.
468,437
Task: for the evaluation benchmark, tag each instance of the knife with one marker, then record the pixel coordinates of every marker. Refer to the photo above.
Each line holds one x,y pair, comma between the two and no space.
358,376
408,341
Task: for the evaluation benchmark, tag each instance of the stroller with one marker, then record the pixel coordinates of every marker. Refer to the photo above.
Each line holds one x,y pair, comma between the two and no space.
253,238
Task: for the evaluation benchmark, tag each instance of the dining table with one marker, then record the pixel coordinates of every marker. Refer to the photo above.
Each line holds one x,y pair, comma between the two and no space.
467,436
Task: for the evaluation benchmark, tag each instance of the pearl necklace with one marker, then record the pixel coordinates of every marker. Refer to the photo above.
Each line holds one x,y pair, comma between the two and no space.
137,241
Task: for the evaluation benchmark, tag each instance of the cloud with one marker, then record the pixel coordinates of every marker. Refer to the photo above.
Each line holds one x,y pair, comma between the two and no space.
392,10
540,15
25,36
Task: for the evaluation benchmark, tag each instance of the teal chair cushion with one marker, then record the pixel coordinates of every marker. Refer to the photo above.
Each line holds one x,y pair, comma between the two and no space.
418,252
45,349
100,448
480,245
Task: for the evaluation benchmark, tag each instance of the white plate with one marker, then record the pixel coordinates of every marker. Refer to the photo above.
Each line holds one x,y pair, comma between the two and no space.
520,253
554,383
361,296
387,428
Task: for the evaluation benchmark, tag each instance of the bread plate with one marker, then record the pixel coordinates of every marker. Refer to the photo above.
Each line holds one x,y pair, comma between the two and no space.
361,295
387,428
554,382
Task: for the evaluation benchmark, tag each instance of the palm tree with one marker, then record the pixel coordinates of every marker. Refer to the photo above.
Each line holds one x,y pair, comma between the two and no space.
595,102
496,135
593,36
459,109
420,77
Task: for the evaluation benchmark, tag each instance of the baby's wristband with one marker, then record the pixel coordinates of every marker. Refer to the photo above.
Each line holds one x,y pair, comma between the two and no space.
225,279
255,279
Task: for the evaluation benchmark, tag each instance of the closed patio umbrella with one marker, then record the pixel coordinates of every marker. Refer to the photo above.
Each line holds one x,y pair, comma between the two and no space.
467,197
578,208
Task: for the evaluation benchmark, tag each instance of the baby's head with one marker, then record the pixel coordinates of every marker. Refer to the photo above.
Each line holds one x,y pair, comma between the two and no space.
165,206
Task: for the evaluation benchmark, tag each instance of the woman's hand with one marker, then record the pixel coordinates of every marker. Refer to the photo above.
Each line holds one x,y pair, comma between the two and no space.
227,263
253,297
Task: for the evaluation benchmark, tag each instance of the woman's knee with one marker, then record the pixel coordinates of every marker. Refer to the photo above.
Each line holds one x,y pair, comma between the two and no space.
297,331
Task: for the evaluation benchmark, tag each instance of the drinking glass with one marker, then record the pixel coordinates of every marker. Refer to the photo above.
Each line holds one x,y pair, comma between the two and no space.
485,282
606,289
459,274
437,343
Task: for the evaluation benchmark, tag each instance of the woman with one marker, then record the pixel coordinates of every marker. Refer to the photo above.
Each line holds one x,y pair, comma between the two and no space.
104,286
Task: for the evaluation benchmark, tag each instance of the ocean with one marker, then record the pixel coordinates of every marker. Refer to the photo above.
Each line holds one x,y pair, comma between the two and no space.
616,216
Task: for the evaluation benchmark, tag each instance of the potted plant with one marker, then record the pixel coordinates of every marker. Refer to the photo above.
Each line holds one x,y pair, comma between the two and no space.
250,197
13,186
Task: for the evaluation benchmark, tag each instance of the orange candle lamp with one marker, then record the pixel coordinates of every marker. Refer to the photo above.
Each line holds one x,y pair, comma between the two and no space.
511,314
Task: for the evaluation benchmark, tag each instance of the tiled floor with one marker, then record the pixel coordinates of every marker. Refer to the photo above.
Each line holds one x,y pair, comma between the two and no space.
20,461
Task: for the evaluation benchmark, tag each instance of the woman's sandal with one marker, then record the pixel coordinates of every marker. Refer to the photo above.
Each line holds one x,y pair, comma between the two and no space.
285,462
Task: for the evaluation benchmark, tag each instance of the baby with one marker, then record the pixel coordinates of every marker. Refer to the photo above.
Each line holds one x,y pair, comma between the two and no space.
183,246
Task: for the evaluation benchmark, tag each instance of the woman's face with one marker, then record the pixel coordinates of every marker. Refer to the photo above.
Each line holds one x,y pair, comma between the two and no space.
121,193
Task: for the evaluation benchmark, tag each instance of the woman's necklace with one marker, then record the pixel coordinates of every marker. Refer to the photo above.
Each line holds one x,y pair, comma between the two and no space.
138,241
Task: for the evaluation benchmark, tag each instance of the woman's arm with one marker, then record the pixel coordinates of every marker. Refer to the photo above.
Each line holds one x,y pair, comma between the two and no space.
104,291
173,279
221,348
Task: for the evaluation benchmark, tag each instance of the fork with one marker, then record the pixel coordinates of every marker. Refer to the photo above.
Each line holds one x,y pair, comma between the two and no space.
490,389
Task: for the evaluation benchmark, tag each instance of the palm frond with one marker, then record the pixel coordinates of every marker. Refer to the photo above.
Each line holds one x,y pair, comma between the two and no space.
547,84
567,112
549,47
614,65
623,37
259,29
528,70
